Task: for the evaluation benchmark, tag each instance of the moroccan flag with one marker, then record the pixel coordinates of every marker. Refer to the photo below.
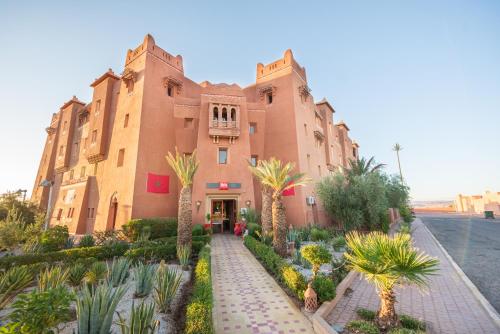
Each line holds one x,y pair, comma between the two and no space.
158,183
289,191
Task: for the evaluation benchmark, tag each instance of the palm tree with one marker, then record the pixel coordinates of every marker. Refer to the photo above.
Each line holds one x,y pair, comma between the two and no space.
398,148
185,167
277,176
388,262
362,166
266,214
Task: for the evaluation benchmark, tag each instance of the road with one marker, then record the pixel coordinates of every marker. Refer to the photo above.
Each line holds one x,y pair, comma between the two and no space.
474,244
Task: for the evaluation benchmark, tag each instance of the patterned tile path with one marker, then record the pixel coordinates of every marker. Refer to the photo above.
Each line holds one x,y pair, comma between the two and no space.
246,297
448,306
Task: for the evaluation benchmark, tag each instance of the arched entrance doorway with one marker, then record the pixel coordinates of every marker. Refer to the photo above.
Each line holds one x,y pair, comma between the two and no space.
113,210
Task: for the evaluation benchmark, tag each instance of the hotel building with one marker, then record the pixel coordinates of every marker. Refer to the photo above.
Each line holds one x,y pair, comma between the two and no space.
106,158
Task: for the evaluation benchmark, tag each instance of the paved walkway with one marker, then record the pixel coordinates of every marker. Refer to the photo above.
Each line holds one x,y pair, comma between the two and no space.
246,297
448,307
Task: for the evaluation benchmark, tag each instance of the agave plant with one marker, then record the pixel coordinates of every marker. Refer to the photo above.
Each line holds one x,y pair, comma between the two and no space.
13,281
77,274
140,321
144,275
95,307
119,271
184,254
96,273
51,278
387,263
167,283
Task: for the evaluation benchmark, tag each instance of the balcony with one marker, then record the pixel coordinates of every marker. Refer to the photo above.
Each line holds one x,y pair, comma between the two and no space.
221,128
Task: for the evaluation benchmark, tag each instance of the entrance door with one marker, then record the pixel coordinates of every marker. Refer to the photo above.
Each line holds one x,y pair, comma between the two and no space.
224,211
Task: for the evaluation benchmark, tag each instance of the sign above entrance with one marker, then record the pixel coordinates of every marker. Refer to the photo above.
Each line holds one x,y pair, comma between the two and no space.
223,185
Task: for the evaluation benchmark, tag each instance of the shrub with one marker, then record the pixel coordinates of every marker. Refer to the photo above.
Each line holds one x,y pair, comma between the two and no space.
158,227
366,314
275,264
405,331
95,308
319,234
119,271
362,327
183,254
324,287
87,241
76,274
405,213
198,230
411,323
96,273
13,281
162,251
251,216
68,255
167,283
141,320
199,309
254,230
338,242
316,255
54,239
144,275
39,311
10,234
52,278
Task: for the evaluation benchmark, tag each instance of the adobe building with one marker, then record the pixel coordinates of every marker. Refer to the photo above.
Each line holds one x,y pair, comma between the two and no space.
477,204
107,160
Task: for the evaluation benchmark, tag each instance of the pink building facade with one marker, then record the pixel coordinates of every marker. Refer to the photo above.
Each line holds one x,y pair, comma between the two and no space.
107,160
477,204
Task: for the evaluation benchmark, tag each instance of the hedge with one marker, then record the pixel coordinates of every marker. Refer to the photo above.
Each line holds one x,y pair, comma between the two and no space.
199,309
157,227
164,250
204,238
67,255
284,272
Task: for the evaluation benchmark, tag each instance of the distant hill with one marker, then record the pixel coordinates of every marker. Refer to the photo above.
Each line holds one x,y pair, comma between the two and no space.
442,206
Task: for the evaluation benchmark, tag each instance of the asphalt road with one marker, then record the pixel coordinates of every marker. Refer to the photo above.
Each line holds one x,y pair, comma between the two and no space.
474,244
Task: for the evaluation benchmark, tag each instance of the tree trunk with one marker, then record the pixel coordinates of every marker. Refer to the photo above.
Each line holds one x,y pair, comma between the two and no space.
279,225
386,316
185,218
267,213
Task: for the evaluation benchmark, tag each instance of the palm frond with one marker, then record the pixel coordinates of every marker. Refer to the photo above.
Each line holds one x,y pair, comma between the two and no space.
184,166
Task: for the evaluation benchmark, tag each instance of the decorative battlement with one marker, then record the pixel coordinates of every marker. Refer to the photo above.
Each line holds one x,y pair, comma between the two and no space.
108,74
287,61
149,45
74,99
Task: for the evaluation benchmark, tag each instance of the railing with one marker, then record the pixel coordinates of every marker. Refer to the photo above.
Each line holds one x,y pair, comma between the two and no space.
223,124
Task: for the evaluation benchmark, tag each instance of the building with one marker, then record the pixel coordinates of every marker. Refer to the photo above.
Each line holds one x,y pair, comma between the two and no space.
477,204
107,160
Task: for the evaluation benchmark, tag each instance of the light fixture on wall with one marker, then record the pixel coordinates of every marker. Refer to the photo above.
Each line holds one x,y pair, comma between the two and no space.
248,203
198,204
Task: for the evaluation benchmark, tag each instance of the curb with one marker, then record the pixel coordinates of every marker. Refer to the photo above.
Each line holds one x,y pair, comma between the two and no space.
472,287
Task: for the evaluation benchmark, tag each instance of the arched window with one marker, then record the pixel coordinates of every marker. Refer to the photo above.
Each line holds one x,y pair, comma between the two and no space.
233,115
216,114
224,114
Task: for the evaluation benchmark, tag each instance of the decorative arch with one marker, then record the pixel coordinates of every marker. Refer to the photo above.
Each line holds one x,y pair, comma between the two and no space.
112,212
224,114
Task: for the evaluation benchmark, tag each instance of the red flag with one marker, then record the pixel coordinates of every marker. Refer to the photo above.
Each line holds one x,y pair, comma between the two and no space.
289,191
158,183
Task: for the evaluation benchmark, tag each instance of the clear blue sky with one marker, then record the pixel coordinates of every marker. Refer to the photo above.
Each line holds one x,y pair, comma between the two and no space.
425,74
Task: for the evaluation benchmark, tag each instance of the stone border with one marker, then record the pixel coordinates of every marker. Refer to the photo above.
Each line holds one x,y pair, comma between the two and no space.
472,287
320,325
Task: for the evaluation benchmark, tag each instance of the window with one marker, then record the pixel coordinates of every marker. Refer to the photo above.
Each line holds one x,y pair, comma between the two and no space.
61,150
305,129
222,156
121,156
82,171
65,124
130,86
70,213
308,161
224,114
97,107
94,136
125,122
77,146
253,160
233,115
90,213
216,114
188,123
59,214
71,174
319,170
269,98
253,128
170,91
318,141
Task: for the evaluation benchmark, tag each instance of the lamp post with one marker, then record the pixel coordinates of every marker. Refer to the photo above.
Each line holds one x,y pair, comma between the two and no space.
47,183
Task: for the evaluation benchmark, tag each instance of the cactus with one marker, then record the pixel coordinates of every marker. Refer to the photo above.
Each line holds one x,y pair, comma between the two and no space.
76,274
141,320
95,308
119,271
13,281
167,283
144,275
96,273
183,254
51,278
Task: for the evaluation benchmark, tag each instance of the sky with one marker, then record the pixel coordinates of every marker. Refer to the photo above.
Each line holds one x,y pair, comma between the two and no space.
425,74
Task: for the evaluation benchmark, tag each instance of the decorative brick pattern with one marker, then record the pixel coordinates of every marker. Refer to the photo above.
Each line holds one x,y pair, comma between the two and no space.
246,297
447,307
